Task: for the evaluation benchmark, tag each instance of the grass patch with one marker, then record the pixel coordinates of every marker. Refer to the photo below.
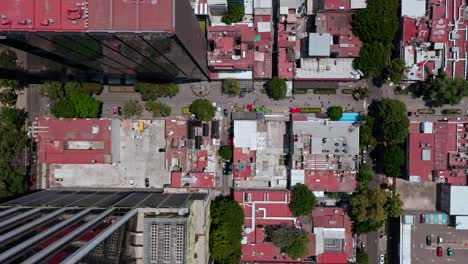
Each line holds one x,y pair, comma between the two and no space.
300,91
311,110
324,91
186,111
347,91
451,111
426,111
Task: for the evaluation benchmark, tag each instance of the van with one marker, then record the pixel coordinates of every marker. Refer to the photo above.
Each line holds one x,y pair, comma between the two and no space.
142,126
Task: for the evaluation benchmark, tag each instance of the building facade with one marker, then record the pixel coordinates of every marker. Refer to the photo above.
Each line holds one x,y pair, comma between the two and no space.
110,40
96,226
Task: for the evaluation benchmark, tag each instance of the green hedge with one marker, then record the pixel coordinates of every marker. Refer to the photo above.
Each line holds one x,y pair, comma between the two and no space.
311,110
426,111
324,91
300,91
451,111
347,91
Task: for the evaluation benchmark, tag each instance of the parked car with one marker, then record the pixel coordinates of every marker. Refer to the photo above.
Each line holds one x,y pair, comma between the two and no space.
147,182
423,218
363,245
449,251
137,137
381,259
119,111
428,240
439,251
225,112
440,240
114,110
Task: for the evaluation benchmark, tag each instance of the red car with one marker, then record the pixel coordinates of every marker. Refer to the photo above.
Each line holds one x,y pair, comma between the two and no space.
423,218
114,110
295,110
439,251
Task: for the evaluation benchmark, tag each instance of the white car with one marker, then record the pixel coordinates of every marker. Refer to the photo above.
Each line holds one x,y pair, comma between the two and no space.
137,137
382,259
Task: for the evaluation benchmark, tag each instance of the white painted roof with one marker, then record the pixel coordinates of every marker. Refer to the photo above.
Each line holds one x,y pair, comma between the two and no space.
413,8
245,134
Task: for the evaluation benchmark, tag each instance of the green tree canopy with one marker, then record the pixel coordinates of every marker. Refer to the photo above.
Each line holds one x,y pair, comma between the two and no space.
277,88
335,112
53,90
77,105
394,206
12,117
441,90
366,138
63,108
132,108
202,109
73,87
91,88
158,109
373,59
8,97
362,257
291,240
12,148
231,86
226,152
9,83
303,200
227,219
394,160
235,13
378,22
392,121
8,60
364,176
395,70
368,210
300,247
86,106
153,91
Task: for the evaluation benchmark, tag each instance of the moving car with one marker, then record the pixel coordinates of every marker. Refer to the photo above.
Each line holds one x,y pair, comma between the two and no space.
114,110
428,240
439,251
449,251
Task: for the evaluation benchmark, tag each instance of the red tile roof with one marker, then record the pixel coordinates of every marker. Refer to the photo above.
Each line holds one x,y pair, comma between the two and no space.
334,217
243,161
337,4
439,26
262,208
224,56
338,24
331,181
444,146
192,180
55,134
75,15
